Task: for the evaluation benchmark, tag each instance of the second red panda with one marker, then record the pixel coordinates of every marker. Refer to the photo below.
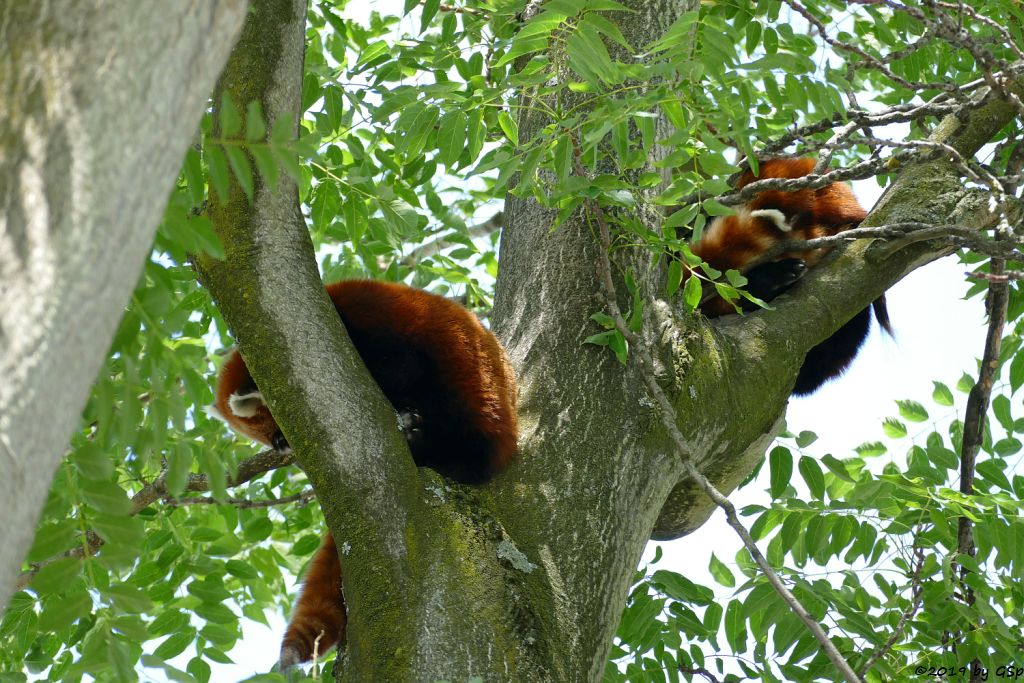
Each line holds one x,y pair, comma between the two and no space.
455,393
738,241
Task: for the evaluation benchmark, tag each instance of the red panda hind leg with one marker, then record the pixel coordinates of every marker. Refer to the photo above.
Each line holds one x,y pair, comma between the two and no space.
319,612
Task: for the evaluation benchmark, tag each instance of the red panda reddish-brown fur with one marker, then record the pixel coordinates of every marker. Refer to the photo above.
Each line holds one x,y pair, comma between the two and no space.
452,385
738,241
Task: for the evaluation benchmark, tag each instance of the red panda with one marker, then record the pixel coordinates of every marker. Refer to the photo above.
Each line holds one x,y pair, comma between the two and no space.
455,393
738,241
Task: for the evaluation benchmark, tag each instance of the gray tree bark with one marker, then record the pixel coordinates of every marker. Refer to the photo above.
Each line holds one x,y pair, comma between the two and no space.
98,102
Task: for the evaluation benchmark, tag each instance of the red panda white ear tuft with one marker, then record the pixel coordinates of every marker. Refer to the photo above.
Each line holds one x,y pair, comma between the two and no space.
775,216
246,405
214,412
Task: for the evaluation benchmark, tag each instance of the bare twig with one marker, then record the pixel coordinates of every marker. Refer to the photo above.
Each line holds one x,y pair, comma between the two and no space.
978,402
244,503
699,671
869,60
435,246
902,235
917,595
1006,276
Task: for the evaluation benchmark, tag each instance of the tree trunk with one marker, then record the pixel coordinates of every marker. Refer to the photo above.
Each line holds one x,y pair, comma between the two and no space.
98,102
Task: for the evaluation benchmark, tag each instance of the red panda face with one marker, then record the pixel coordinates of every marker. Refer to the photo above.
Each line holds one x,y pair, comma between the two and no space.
240,404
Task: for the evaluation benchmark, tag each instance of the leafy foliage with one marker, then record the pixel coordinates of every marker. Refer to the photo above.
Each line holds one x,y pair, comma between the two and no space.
414,141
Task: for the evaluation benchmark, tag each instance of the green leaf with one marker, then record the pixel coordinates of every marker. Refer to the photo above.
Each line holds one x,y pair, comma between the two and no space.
168,621
893,428
92,462
106,496
675,277
942,395
59,613
427,13
692,293
199,669
242,170
509,127
1017,372
257,529
179,464
57,576
805,438
175,643
119,529
218,614
837,468
913,411
721,573
52,538
415,129
129,598
217,166
781,465
230,119
255,126
813,476
121,658
334,106
753,37
1003,412
736,627
401,216
451,137
715,208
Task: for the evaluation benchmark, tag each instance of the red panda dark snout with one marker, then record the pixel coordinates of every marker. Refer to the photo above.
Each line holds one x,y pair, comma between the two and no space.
738,242
454,392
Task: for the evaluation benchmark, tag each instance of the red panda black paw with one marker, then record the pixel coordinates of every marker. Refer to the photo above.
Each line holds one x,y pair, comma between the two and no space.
411,424
290,656
769,280
280,443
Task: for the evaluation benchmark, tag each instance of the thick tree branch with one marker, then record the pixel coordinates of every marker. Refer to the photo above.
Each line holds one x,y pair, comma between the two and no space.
929,193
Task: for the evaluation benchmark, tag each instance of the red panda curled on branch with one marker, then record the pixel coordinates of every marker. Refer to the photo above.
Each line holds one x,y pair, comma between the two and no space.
738,242
453,388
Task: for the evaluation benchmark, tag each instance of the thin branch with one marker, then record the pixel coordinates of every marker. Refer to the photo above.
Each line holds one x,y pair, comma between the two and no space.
699,671
864,169
900,113
868,59
1006,276
917,596
248,469
903,234
434,247
531,10
243,503
978,402
645,364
